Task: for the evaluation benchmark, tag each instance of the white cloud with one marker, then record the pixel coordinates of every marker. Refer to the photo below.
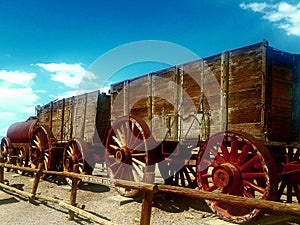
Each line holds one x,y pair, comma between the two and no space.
17,104
255,6
40,91
284,15
10,118
69,94
17,98
20,100
69,74
20,78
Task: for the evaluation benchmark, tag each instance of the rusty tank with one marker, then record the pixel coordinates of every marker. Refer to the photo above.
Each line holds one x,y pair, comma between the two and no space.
20,132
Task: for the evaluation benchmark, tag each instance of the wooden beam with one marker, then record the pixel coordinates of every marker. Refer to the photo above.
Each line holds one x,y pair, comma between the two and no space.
26,169
85,214
15,190
1,171
37,178
287,208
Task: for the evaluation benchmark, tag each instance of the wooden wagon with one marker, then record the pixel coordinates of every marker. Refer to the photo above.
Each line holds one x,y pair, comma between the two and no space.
228,124
66,134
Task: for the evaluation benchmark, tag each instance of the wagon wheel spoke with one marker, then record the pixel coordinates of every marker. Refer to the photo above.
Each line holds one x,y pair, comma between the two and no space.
254,186
46,158
174,175
73,158
139,162
186,178
297,192
6,151
289,183
180,170
235,163
233,149
40,148
22,158
248,193
224,151
127,155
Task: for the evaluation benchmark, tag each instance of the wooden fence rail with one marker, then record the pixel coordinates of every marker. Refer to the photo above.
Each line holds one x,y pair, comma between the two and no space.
148,191
71,206
286,208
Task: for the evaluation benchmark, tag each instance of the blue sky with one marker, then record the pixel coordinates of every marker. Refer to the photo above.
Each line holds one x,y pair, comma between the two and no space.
47,46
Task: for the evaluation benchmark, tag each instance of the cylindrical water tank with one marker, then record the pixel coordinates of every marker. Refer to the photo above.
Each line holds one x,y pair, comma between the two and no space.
20,132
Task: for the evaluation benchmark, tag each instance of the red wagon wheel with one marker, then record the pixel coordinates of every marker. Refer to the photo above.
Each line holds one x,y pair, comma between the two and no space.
73,159
6,151
181,175
128,156
236,164
289,179
22,158
40,148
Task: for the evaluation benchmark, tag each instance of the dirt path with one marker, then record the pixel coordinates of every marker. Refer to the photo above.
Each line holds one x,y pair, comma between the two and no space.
106,203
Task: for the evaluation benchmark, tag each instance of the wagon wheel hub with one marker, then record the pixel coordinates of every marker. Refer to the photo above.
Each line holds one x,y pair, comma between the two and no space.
226,175
76,168
123,155
68,163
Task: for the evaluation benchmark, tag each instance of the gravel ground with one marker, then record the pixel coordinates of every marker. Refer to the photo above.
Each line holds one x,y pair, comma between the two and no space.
106,203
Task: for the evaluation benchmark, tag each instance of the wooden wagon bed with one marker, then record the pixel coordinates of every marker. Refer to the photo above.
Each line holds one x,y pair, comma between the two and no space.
254,89
83,116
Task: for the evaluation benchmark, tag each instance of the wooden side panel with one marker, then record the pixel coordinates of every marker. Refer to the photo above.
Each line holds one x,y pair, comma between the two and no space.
152,98
44,115
192,101
165,105
132,97
118,94
212,91
201,86
245,90
279,120
67,124
296,98
139,100
78,116
56,119
57,116
84,118
90,116
103,117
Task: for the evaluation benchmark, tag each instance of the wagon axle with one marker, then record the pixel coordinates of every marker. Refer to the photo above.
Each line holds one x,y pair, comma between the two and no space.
123,155
72,164
226,175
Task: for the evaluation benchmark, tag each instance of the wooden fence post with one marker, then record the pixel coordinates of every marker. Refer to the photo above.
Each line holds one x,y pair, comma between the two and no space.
1,171
147,200
73,197
36,180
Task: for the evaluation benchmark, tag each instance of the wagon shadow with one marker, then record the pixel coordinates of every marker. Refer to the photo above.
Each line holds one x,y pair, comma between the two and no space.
96,188
77,218
9,200
59,180
176,203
